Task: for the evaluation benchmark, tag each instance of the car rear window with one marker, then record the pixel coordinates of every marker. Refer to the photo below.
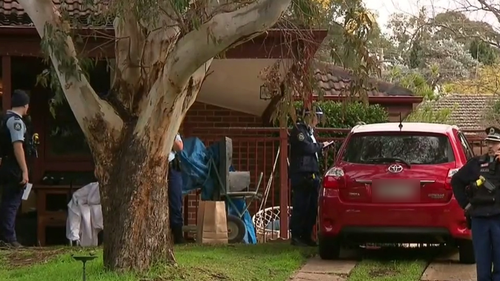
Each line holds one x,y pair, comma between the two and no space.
415,148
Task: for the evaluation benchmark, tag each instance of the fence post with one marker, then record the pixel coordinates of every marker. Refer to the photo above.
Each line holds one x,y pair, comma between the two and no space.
284,182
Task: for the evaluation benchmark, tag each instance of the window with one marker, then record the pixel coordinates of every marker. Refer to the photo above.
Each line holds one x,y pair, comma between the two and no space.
414,148
469,153
1,85
65,137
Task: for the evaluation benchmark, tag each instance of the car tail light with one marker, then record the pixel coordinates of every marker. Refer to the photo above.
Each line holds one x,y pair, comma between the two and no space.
334,178
451,172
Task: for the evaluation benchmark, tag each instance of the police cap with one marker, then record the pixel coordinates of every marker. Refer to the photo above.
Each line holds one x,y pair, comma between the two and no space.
19,98
493,134
318,110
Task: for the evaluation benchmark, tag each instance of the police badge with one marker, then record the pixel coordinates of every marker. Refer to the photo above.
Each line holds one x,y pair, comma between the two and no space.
17,126
301,137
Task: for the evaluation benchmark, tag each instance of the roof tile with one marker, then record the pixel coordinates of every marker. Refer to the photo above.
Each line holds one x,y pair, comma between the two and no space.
335,81
468,110
12,13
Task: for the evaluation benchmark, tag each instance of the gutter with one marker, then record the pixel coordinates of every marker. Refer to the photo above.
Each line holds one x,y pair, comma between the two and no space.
380,99
318,34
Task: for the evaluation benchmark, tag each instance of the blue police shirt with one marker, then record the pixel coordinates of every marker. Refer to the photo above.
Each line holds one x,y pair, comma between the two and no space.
16,127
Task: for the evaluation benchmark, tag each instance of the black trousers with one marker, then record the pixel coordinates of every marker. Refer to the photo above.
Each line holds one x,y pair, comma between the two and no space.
175,197
12,193
305,194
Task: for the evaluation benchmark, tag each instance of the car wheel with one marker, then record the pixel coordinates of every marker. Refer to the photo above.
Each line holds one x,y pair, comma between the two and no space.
328,247
466,252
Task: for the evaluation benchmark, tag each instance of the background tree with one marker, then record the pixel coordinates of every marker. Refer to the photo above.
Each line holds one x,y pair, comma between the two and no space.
334,48
424,45
485,81
163,51
483,52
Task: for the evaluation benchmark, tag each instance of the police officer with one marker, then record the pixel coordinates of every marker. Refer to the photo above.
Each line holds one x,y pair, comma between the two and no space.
175,191
304,177
482,204
13,167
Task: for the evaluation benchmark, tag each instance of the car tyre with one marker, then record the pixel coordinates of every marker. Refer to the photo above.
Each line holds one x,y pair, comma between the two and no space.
328,247
466,252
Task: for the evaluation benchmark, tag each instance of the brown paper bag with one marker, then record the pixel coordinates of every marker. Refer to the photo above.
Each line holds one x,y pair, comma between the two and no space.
212,223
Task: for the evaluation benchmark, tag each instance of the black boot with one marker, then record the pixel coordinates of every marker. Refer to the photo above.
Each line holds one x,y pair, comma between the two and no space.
296,241
307,239
178,235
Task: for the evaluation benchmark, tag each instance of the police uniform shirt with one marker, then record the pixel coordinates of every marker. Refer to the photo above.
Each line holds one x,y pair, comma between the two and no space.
171,156
16,127
472,170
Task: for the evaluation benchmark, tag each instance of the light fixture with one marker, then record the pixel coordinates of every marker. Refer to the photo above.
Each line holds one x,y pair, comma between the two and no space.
265,93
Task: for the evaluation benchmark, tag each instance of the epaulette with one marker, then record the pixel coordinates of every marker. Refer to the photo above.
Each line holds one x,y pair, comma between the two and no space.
300,124
483,159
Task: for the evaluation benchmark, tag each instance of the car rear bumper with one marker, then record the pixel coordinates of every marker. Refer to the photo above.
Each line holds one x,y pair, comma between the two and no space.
424,223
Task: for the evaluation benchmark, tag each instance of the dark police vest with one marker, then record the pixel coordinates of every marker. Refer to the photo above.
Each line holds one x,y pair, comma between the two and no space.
485,203
9,167
302,161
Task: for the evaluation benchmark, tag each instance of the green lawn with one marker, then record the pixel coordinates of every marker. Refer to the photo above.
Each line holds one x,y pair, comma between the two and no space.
393,265
388,270
276,261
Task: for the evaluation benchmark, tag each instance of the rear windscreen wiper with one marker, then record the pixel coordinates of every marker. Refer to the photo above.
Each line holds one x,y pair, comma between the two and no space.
389,160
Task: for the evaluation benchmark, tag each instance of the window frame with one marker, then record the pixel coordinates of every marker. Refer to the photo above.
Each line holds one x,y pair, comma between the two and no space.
468,151
389,134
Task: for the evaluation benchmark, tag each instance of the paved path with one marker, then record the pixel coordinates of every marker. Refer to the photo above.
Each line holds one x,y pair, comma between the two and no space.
447,268
320,270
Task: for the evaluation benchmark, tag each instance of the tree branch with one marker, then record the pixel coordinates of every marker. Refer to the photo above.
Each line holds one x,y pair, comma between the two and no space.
489,7
221,32
141,54
82,99
187,65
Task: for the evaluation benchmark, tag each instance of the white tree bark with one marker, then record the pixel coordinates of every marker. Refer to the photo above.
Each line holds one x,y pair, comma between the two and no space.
82,99
182,61
159,72
191,54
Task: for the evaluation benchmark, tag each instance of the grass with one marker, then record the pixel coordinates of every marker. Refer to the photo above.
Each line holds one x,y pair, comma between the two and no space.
392,265
388,270
276,261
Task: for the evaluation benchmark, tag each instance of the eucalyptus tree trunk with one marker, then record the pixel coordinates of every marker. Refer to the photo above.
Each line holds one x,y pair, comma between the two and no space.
161,64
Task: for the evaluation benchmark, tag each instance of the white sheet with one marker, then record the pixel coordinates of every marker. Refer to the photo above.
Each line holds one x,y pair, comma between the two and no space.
84,220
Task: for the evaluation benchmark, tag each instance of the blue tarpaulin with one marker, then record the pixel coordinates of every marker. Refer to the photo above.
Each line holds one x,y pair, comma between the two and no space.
199,172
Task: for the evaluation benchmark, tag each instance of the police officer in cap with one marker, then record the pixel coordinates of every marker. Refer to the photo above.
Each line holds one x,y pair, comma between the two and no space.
305,177
13,167
481,201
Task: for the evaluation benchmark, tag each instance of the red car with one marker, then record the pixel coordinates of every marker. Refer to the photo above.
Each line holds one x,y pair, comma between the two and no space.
390,183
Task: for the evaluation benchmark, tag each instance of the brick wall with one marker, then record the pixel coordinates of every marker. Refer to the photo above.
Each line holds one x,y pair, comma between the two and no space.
249,153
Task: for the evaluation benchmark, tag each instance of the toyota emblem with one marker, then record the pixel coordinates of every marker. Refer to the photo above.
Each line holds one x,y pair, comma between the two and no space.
395,168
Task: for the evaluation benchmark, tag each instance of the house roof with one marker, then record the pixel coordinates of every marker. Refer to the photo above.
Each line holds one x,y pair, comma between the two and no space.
335,81
12,13
468,110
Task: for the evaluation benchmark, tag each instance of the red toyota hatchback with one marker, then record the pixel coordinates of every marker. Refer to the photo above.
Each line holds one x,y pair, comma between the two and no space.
390,183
